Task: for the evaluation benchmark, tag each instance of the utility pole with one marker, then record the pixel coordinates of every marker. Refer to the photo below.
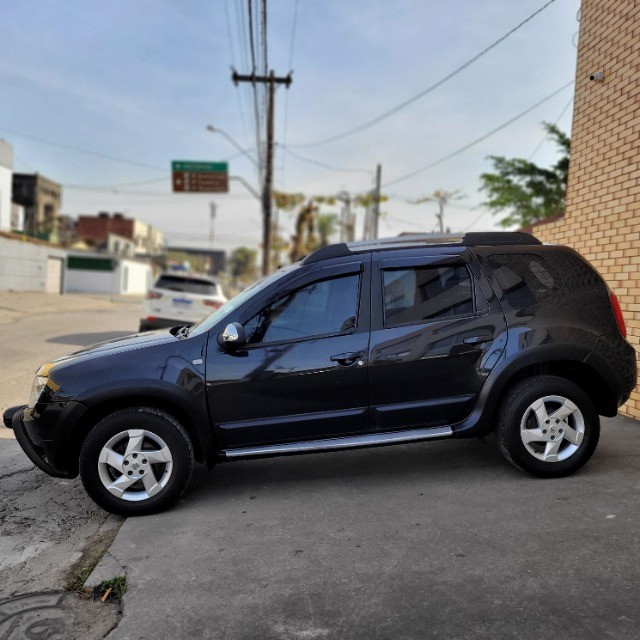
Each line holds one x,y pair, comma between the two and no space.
212,219
267,186
376,201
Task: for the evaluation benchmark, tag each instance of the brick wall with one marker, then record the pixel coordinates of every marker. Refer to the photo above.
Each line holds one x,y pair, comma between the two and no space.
602,220
97,228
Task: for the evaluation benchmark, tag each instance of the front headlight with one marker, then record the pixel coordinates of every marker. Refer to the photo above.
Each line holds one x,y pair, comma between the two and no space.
41,382
38,386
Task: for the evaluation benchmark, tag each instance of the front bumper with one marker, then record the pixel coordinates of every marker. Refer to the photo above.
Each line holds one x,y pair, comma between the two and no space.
46,437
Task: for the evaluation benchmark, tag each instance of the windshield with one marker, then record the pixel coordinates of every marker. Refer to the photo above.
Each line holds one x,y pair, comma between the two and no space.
241,298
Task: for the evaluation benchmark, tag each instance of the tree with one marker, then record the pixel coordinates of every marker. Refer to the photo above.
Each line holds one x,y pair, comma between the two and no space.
327,225
528,193
441,198
305,226
243,264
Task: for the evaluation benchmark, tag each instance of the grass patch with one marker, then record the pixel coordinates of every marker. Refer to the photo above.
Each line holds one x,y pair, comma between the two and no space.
114,588
77,582
91,556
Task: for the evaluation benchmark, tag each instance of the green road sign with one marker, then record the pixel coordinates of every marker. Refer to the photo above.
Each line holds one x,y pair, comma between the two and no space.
200,167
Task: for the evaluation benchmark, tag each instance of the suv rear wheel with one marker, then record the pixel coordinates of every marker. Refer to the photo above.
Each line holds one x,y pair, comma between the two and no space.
547,426
136,461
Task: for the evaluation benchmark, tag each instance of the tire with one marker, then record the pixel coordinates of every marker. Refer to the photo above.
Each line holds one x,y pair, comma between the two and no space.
547,426
136,461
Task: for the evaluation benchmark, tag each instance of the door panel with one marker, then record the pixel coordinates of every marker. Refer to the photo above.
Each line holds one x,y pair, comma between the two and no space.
289,391
429,372
303,374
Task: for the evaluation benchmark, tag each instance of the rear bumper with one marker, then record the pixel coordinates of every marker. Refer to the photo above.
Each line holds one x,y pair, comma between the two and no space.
616,361
46,436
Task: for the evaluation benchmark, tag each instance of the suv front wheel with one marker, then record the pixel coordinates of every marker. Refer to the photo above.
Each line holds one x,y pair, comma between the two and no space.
547,426
136,461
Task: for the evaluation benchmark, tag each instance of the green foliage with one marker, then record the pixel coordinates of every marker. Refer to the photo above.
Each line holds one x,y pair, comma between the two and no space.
327,225
526,192
242,263
118,586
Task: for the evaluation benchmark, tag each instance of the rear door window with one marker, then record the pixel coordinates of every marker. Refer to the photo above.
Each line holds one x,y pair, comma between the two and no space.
418,294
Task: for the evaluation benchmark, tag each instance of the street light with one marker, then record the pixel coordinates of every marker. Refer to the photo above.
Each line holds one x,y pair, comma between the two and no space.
229,139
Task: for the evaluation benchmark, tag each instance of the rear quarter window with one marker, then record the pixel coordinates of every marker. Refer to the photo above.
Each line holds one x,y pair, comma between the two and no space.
525,279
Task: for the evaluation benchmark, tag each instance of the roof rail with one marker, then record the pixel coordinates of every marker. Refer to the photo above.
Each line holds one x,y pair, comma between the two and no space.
471,239
489,238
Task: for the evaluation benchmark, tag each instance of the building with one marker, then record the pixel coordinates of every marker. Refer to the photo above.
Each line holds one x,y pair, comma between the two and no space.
95,229
603,196
27,264
41,199
209,261
99,273
6,172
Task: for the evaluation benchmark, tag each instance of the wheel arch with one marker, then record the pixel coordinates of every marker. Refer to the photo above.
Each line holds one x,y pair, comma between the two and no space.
186,411
565,362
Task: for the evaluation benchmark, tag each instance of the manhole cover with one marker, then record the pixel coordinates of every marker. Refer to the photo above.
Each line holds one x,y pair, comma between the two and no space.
55,616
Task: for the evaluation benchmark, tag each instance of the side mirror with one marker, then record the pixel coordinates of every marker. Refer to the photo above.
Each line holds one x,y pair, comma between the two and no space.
232,336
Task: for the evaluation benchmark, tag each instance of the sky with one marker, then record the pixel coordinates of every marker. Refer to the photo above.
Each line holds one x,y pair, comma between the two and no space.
102,96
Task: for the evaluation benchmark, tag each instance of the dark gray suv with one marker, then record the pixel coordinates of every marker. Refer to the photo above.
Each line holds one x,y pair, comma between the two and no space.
363,344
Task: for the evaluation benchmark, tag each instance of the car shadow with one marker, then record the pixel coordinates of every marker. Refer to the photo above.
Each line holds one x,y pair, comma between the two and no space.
426,462
86,339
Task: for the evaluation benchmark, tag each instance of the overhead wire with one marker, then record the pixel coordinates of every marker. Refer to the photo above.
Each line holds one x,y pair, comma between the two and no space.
324,165
473,143
421,94
546,135
234,59
256,108
285,123
88,152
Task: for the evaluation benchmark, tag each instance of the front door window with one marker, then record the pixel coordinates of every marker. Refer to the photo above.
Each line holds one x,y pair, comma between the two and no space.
326,307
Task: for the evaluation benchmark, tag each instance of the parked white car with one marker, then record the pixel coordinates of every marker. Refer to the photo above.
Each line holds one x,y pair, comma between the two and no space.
180,299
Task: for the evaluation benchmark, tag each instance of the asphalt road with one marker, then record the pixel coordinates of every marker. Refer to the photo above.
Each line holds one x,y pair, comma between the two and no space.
432,540
435,540
48,526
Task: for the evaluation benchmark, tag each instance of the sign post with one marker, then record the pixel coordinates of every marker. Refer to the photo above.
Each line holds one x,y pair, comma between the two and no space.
200,177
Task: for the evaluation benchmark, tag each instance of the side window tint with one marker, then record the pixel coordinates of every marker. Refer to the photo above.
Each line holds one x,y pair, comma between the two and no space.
525,279
320,308
426,293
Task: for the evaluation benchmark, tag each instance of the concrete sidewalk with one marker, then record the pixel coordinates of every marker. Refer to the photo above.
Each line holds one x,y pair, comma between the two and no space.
15,305
437,540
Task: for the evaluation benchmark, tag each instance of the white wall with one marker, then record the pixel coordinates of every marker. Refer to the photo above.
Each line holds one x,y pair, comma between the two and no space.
6,177
91,281
135,277
129,277
23,264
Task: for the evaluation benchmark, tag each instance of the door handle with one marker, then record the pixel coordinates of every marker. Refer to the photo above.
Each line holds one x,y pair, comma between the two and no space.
348,359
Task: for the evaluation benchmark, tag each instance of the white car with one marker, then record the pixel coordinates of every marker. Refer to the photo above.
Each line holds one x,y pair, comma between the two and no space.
180,299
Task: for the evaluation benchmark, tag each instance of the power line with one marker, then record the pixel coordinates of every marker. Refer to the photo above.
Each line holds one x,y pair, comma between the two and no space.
330,167
285,125
424,92
88,152
232,49
546,135
256,109
478,140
